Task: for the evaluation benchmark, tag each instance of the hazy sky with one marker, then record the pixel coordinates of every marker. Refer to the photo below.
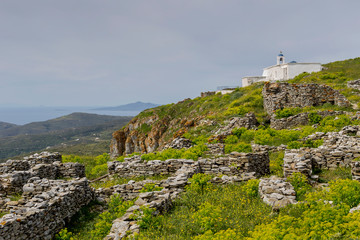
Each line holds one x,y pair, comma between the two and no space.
112,52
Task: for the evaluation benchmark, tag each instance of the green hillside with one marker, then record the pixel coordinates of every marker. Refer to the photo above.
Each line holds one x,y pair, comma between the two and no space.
88,140
235,211
5,125
73,120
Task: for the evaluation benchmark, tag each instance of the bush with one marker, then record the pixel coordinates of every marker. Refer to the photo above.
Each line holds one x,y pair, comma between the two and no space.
287,112
314,118
345,191
300,183
200,183
252,188
64,234
208,217
240,147
276,163
231,139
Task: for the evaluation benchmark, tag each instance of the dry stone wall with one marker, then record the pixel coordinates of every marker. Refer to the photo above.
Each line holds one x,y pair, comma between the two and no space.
15,173
286,95
44,213
232,164
276,192
338,150
355,84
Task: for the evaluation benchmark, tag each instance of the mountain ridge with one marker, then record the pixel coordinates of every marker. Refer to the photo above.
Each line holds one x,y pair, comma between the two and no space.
136,106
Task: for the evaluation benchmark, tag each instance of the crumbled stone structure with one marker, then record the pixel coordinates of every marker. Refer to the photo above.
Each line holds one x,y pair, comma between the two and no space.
276,192
161,201
231,164
15,173
249,121
298,119
44,213
338,150
285,95
45,204
355,84
179,143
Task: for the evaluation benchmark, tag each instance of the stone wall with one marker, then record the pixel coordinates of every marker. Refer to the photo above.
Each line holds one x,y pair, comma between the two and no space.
44,165
206,94
276,192
338,150
45,213
355,84
232,164
286,95
299,119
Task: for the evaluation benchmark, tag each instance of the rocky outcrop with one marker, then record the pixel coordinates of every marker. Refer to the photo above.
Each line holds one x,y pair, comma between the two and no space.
148,134
285,95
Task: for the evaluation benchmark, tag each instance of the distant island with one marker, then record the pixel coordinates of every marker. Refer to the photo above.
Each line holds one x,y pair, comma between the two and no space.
137,106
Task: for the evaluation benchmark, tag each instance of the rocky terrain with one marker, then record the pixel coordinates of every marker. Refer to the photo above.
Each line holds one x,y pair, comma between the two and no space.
311,128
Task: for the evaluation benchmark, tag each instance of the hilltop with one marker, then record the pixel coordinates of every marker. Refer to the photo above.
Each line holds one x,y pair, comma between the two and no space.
137,106
5,125
73,120
199,118
76,133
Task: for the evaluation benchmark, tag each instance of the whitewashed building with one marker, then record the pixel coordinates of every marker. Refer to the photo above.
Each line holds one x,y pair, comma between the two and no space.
282,71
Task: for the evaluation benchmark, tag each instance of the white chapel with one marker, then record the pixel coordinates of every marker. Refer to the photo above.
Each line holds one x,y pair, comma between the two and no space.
282,71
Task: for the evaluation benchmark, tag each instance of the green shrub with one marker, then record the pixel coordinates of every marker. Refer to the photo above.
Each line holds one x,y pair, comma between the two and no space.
239,147
208,217
64,234
117,208
287,112
192,153
276,163
314,118
228,234
231,139
200,183
345,191
252,188
300,183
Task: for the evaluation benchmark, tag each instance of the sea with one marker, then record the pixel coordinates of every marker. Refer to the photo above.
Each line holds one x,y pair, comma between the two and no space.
24,115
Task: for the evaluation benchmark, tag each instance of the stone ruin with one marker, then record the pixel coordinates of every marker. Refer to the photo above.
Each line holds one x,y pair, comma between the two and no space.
231,164
286,95
237,167
355,84
15,173
338,150
47,202
299,119
276,192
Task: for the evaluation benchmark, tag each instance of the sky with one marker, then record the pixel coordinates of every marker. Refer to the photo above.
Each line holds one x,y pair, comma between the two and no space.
108,53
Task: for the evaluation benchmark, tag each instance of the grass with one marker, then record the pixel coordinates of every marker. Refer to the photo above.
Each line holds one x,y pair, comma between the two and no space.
218,208
3,213
326,176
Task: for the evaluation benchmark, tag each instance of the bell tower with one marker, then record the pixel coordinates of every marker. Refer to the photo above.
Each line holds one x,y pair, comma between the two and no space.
280,59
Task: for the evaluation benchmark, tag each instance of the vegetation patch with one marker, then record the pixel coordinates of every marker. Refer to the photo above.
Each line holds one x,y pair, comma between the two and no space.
91,224
206,210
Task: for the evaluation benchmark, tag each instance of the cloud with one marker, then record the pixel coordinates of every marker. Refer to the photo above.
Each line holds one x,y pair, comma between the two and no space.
114,52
